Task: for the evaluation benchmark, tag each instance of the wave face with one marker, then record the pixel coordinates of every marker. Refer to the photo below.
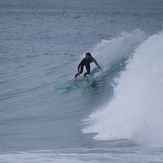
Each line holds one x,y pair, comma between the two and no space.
136,111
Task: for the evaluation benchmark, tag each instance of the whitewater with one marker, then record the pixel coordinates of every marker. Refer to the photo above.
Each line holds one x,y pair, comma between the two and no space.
135,112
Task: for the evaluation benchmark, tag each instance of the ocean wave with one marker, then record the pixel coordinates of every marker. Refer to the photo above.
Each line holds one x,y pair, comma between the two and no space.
136,110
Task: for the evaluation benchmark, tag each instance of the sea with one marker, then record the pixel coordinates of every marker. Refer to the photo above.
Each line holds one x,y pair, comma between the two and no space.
114,117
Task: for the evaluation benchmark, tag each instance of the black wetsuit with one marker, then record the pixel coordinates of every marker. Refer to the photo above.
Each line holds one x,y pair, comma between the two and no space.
86,62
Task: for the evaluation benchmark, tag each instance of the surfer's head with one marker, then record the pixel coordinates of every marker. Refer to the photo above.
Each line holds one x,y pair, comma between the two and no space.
88,55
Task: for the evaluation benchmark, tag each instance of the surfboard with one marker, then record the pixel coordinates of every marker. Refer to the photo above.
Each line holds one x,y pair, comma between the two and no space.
70,83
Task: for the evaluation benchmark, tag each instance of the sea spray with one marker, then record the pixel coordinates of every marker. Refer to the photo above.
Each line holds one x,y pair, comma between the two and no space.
109,52
136,111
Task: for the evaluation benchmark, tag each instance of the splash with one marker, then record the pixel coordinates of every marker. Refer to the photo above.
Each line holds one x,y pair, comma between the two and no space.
109,52
136,112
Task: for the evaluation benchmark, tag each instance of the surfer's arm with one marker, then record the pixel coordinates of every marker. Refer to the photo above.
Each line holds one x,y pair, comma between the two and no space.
96,64
80,64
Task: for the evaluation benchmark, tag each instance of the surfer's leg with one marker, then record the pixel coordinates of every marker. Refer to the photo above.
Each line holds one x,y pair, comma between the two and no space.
88,70
81,71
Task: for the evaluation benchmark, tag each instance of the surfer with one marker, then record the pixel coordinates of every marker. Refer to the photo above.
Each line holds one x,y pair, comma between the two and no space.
86,62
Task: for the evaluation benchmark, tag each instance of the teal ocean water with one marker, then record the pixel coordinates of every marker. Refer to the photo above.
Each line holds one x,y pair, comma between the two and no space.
116,117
